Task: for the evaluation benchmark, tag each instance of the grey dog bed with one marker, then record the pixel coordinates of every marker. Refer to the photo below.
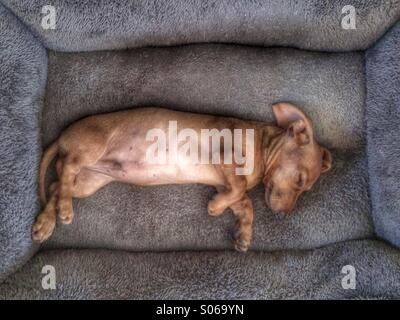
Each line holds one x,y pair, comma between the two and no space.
231,58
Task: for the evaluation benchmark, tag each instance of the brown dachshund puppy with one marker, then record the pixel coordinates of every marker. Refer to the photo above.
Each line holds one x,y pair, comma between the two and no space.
115,147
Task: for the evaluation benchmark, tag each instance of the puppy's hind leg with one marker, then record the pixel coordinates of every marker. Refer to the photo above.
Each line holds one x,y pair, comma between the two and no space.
78,154
72,165
46,220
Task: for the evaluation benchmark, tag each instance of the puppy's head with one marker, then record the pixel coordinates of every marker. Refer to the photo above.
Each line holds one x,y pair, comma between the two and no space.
295,161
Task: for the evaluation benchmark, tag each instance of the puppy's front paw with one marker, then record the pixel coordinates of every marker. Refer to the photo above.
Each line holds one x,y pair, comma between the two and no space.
241,242
213,209
43,227
241,245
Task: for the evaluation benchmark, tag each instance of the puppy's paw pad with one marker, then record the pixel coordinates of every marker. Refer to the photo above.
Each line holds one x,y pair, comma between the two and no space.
213,210
214,213
241,245
66,219
43,228
66,215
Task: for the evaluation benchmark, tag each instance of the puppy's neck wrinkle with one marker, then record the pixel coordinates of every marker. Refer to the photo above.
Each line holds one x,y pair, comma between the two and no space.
273,143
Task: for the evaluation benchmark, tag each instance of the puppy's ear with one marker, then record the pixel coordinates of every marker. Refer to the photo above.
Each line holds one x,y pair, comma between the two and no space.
326,160
298,130
292,119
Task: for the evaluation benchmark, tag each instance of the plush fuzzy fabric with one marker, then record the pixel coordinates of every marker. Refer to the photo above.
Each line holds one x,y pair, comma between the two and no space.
114,24
240,81
314,274
218,79
23,68
383,121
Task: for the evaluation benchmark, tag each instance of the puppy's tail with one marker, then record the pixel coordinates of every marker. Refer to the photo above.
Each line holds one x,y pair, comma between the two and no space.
48,156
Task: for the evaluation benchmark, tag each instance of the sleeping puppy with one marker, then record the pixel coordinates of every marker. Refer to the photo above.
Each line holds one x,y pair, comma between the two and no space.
154,146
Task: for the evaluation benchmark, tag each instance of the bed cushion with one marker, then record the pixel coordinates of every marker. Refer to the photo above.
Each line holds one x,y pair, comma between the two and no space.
308,274
188,257
383,123
115,24
23,69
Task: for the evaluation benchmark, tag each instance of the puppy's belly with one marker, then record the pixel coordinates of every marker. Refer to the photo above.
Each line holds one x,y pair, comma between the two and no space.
141,173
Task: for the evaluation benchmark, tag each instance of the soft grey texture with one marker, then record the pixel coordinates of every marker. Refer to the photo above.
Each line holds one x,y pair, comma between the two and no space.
23,68
84,25
314,274
218,79
383,123
230,80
